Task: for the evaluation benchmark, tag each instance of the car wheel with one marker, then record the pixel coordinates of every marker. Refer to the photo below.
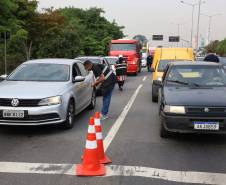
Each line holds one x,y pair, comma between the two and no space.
135,74
163,132
93,101
154,95
69,123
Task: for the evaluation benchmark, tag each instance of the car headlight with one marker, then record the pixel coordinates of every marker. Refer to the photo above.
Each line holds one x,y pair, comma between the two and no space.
159,78
174,109
55,100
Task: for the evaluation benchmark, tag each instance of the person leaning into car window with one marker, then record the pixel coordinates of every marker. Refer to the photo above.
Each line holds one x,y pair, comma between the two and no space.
107,79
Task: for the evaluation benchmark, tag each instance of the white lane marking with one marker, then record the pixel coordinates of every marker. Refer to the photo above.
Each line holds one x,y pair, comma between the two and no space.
117,170
114,129
168,175
37,168
144,78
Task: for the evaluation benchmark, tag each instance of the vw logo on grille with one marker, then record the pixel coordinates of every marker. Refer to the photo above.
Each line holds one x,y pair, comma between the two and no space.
15,102
206,109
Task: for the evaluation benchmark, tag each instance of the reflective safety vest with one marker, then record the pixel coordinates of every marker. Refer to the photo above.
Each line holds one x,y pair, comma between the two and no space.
110,79
121,69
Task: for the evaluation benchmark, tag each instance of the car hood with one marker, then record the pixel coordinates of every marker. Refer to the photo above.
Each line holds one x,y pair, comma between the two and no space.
195,97
31,90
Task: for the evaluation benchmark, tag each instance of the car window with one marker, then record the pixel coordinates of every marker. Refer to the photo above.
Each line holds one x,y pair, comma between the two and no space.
112,61
41,72
75,71
82,69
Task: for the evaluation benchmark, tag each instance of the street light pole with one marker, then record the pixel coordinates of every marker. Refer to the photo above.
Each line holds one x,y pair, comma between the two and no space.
210,22
192,24
5,38
178,29
192,21
199,12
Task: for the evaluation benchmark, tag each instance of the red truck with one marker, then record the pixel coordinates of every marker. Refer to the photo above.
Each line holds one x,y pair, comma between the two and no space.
131,50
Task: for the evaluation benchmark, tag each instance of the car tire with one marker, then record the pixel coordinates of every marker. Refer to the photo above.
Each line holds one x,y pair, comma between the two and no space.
92,104
163,132
135,74
154,96
69,123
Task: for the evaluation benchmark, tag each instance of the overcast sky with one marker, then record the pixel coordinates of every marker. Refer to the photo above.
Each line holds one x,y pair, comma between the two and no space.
150,17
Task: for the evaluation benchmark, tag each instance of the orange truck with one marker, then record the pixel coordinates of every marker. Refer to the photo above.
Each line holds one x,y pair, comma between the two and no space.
131,51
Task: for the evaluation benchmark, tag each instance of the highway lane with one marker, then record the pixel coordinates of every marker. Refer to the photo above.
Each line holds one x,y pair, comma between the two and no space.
137,143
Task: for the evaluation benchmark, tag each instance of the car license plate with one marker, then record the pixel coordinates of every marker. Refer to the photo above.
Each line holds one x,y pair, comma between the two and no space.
13,114
206,125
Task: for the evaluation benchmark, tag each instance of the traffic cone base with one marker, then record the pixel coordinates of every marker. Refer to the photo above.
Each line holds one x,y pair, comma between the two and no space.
91,165
105,160
80,171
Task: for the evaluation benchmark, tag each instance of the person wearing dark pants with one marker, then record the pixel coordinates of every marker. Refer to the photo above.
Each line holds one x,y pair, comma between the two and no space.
106,79
149,62
121,71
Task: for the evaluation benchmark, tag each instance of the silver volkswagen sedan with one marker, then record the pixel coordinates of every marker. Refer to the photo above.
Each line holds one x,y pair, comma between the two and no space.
47,91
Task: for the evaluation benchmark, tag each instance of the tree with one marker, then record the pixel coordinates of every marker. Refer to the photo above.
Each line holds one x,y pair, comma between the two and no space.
221,48
94,30
211,48
56,33
143,40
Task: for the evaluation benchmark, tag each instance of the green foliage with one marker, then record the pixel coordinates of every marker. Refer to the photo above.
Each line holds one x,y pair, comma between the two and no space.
62,33
221,48
143,40
218,47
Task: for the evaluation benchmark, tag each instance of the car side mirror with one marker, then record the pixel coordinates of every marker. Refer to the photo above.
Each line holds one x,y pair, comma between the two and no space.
157,83
152,70
79,79
3,77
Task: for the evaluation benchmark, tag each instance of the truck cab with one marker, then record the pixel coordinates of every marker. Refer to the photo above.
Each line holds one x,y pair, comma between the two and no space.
131,51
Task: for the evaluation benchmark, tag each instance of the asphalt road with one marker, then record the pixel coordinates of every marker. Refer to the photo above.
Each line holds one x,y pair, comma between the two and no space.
137,143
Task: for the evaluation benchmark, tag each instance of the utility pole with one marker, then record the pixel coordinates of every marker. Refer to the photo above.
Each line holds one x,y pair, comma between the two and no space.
192,20
209,27
197,41
5,55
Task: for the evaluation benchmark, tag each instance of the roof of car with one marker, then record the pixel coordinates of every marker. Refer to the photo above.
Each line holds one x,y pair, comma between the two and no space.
111,57
53,61
94,57
195,63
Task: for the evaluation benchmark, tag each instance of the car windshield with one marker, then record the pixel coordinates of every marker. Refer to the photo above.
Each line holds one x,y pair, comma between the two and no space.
112,61
163,64
41,72
198,75
123,47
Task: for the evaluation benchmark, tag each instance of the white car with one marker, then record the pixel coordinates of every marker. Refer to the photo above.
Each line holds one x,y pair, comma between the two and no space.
48,91
144,60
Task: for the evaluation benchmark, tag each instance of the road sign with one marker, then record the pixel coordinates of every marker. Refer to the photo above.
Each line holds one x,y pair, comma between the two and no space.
174,39
157,37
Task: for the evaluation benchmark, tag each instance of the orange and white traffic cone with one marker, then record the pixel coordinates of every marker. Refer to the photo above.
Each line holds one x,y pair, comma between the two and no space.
91,164
100,146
